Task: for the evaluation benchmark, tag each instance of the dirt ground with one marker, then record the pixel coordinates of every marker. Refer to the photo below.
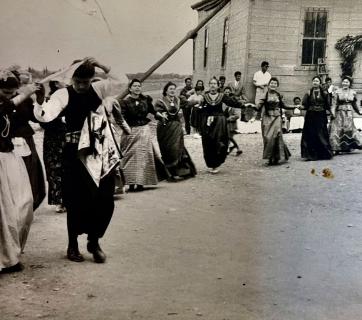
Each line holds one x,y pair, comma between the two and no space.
251,243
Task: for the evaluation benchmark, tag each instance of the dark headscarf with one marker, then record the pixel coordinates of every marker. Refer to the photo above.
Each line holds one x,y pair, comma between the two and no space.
8,80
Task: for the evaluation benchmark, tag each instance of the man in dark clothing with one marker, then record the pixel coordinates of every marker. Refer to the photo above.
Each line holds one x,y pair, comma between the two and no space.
89,207
186,108
222,81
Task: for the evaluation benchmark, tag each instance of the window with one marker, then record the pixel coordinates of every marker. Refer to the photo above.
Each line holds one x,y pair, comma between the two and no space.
314,36
206,45
194,54
225,42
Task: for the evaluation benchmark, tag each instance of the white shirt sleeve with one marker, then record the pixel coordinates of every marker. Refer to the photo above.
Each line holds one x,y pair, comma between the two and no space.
49,110
109,87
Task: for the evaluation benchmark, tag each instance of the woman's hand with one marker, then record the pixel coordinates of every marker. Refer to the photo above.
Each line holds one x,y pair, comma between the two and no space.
164,118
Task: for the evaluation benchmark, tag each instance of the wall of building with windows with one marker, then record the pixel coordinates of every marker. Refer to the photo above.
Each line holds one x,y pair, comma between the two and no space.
220,47
293,34
290,34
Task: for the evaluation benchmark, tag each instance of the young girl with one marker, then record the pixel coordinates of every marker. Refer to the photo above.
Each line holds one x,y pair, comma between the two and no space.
231,117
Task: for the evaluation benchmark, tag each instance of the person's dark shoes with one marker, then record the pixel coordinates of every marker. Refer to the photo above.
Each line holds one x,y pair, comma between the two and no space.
74,255
239,152
139,188
15,268
98,255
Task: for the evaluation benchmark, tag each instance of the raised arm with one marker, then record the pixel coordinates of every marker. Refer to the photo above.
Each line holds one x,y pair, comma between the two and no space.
51,109
233,102
118,116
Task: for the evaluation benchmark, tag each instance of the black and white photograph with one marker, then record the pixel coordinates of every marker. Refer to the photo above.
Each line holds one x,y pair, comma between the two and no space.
181,159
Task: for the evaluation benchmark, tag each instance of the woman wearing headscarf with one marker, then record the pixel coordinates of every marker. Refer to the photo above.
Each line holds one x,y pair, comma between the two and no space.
141,163
24,145
344,136
315,143
271,105
170,135
16,199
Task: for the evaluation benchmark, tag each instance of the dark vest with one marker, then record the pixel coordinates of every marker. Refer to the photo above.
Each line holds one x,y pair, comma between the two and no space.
78,108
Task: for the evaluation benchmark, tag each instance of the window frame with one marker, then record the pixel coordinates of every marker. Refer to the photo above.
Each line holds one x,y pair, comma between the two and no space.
224,48
206,46
303,37
194,54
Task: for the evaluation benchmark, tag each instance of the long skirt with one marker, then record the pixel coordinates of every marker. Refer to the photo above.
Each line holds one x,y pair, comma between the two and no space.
89,208
35,171
16,208
344,136
275,148
52,155
315,144
196,118
215,140
174,154
140,162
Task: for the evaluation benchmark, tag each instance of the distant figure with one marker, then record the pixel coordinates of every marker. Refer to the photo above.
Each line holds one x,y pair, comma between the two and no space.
344,136
261,80
186,110
238,92
315,143
214,131
271,105
237,87
330,87
231,117
196,116
222,81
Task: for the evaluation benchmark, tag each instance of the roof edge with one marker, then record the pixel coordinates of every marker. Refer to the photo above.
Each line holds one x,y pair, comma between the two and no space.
206,5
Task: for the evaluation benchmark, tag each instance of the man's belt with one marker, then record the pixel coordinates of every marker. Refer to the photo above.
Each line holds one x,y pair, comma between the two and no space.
72,137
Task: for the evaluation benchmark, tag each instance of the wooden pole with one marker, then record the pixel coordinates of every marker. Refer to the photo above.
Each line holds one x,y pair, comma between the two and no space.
191,34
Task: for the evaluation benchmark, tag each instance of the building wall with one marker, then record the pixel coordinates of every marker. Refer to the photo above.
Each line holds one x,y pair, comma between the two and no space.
276,29
237,11
272,30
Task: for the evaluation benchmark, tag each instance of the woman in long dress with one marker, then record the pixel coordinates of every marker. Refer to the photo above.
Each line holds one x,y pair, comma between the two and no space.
315,143
344,136
170,135
142,165
16,199
214,128
196,115
271,105
53,144
23,133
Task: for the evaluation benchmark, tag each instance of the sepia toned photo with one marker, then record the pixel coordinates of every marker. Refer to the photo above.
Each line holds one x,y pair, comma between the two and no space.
181,159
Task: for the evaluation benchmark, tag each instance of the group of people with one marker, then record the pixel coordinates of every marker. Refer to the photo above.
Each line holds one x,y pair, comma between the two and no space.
94,138
328,128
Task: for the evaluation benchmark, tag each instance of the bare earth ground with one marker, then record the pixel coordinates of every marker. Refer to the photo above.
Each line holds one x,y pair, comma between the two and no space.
252,242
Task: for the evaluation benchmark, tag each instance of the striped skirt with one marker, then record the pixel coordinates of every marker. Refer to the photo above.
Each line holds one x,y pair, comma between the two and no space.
141,163
16,208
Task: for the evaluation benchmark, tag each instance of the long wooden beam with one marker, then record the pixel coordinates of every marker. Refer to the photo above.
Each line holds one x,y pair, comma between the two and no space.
190,35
